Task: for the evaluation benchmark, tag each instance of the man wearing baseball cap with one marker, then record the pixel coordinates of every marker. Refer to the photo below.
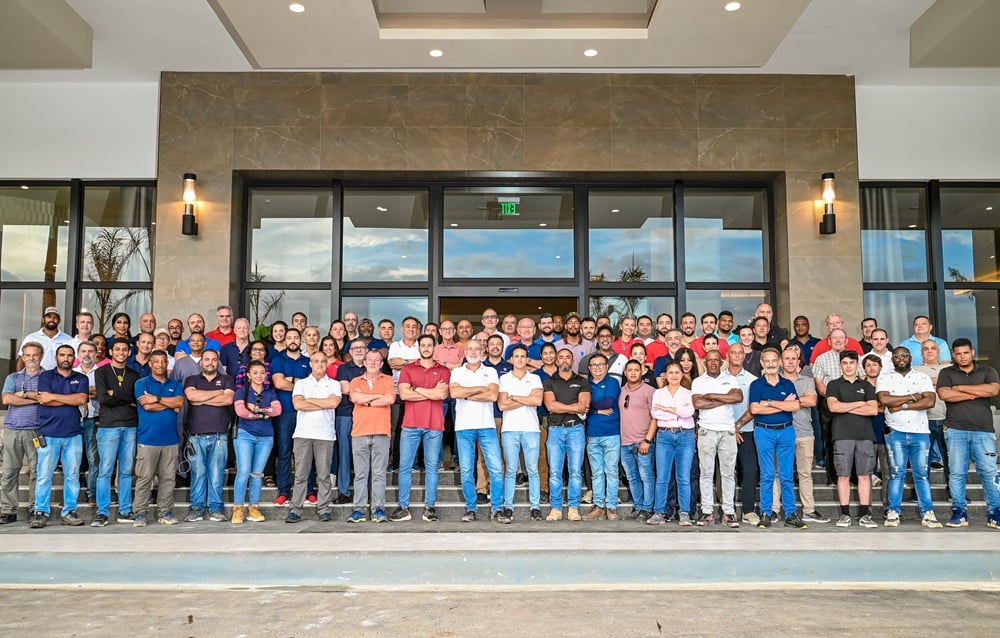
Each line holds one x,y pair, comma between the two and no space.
49,336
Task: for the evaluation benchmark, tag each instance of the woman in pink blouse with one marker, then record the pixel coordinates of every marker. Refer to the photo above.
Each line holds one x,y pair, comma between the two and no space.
673,427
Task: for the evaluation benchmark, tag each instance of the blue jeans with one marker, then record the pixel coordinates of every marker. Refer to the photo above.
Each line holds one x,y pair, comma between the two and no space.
284,427
963,446
513,443
937,439
915,448
115,444
604,453
93,464
781,443
343,456
639,470
208,467
566,444
68,450
673,449
490,445
251,457
409,440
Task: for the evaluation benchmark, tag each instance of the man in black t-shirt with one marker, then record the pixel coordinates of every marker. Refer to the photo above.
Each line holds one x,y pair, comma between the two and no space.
852,402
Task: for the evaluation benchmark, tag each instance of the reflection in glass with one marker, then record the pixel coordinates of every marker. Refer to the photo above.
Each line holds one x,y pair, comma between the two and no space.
895,310
617,308
631,232
291,235
385,235
971,221
508,235
742,303
118,233
974,314
106,303
893,234
282,304
20,314
378,308
724,234
34,233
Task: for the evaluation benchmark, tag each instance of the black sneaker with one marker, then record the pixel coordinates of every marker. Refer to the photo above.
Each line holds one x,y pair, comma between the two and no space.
469,516
499,517
72,519
544,497
343,499
6,519
536,515
430,515
706,519
99,521
765,521
126,518
400,514
38,520
795,520
522,479
482,499
509,513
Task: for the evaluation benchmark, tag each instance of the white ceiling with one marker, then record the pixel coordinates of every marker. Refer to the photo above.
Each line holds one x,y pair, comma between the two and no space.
134,40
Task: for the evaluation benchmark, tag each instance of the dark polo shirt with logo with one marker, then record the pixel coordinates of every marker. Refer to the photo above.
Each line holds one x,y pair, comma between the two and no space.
566,391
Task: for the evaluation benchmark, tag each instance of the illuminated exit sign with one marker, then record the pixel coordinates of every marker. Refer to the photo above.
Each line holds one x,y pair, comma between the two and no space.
508,206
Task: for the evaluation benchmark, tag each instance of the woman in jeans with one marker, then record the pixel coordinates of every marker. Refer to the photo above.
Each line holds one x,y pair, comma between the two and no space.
673,429
255,406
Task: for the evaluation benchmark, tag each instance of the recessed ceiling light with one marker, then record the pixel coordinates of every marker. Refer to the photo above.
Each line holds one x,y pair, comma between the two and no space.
543,224
987,208
25,187
558,257
616,210
912,226
732,6
454,225
403,256
436,53
590,53
382,209
296,7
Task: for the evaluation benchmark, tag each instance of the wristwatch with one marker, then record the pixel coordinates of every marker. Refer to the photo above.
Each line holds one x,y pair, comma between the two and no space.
906,406
24,394
647,441
768,403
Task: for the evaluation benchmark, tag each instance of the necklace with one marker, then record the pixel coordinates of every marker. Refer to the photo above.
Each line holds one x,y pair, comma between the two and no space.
119,375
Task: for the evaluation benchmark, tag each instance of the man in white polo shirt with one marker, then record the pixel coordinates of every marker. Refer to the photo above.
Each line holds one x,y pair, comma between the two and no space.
907,395
315,398
520,395
715,395
474,387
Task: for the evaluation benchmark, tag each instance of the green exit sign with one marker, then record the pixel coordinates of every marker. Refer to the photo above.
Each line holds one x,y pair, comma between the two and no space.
508,206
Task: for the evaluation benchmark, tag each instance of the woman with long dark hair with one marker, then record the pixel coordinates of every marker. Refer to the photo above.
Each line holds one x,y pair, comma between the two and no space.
255,406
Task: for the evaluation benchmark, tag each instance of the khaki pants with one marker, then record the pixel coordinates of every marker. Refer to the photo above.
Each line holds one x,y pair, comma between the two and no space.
17,448
804,453
151,462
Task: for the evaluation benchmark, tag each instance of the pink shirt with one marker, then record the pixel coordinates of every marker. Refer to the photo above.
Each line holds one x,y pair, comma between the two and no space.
681,401
635,416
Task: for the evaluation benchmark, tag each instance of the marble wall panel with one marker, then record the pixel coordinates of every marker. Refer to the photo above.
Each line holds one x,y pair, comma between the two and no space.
567,149
495,148
436,105
354,105
366,148
494,106
826,108
654,107
741,107
644,149
571,104
733,149
277,104
436,149
822,149
264,147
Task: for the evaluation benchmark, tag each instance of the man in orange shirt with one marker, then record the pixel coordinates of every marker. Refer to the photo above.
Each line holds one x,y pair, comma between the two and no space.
373,395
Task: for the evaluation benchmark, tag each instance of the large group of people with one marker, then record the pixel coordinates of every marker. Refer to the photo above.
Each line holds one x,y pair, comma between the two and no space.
564,405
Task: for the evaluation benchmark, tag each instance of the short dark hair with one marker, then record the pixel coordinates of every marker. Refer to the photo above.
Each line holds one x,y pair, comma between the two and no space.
520,346
726,313
960,342
709,314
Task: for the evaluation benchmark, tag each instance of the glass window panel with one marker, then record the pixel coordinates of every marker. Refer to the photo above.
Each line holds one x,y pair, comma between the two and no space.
894,234
34,233
118,233
724,234
291,235
282,304
20,314
379,308
975,315
385,235
742,303
971,221
615,308
105,303
508,234
895,309
632,235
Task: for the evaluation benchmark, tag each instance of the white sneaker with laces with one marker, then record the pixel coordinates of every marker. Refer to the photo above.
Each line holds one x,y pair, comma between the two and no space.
844,520
931,521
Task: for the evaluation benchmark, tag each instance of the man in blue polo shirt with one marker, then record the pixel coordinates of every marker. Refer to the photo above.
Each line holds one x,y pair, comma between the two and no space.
20,395
61,392
159,399
603,431
773,402
196,324
287,368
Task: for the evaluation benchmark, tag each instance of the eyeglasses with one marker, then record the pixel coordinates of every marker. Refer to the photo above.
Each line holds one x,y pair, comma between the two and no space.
257,350
598,365
490,317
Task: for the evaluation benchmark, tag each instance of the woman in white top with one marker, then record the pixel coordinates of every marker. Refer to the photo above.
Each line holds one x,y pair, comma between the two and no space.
673,427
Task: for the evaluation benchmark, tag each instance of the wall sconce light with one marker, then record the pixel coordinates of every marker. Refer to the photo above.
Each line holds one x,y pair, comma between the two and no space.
189,226
828,226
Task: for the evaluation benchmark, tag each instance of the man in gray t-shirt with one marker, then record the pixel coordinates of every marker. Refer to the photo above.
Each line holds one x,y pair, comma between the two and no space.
805,388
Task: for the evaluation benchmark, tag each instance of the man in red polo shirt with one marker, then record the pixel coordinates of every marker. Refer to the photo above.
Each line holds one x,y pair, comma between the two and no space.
224,332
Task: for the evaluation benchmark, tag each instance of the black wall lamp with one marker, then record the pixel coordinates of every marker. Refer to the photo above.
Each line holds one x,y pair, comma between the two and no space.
828,226
189,225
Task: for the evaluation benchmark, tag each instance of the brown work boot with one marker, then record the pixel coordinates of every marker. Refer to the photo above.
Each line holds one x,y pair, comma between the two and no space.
612,514
237,518
595,514
574,514
254,514
554,515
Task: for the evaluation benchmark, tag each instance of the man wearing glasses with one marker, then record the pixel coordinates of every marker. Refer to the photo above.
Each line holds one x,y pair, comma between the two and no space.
347,372
490,320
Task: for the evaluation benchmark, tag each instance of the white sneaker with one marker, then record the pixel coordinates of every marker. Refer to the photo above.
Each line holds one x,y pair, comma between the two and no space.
892,519
844,520
930,521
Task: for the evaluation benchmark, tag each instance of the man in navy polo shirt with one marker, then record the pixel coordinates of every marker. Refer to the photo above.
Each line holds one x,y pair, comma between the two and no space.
346,373
159,399
210,398
773,402
61,392
286,368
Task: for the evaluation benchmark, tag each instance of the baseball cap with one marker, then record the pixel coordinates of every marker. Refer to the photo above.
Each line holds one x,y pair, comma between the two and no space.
160,331
366,320
572,315
52,310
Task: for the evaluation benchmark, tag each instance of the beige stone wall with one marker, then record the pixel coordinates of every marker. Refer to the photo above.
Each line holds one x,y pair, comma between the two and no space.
796,127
